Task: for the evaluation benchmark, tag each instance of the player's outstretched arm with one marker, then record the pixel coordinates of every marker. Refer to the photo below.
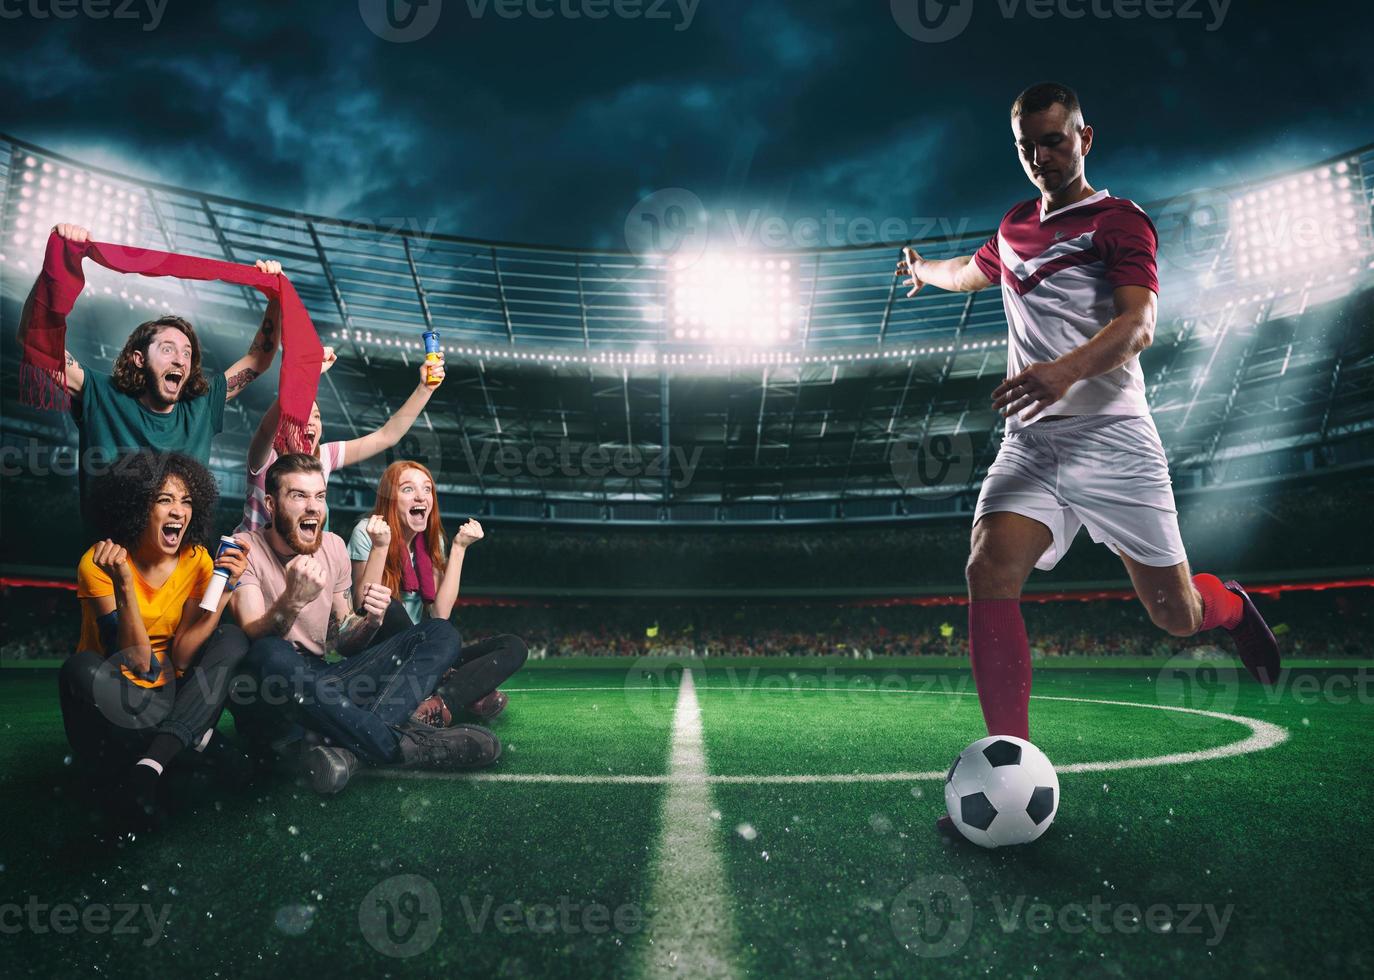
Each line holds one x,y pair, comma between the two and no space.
958,275
382,439
447,593
75,374
1041,385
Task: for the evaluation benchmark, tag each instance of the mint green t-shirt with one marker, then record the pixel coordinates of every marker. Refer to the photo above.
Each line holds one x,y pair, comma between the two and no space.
360,546
111,422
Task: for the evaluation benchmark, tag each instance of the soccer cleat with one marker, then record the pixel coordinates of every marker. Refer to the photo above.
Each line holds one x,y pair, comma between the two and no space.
433,711
489,707
1255,642
459,747
330,768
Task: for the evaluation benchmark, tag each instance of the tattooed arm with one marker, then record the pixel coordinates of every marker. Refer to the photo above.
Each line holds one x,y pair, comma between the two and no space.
350,630
260,352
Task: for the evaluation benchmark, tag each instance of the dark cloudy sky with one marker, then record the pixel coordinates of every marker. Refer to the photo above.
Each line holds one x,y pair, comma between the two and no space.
551,129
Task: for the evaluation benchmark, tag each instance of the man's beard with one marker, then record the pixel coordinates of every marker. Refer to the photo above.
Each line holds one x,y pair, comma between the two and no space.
289,531
152,384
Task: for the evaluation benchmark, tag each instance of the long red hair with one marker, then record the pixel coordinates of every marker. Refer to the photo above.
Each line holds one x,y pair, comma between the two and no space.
388,507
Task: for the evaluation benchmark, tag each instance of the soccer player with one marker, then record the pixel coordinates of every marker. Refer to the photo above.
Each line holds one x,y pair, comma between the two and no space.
151,670
1080,289
295,602
332,455
400,545
157,396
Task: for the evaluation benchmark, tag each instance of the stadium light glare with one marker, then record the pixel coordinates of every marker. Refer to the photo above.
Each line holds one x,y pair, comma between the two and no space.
740,300
1296,224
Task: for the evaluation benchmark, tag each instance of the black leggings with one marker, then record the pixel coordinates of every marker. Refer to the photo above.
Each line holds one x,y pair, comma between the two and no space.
109,721
482,668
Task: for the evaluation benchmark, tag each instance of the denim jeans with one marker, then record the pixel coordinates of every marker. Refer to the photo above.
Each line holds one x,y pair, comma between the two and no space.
357,703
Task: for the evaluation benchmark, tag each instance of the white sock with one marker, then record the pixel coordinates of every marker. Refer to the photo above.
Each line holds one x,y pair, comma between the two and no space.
152,764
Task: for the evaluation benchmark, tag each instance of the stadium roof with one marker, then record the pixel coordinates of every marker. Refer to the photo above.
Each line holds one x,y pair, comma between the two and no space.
811,381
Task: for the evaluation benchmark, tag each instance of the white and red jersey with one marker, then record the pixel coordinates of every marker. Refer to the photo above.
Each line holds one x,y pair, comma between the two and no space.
1057,273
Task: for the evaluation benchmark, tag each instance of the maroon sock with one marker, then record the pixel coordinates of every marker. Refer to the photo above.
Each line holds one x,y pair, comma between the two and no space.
1001,665
1220,606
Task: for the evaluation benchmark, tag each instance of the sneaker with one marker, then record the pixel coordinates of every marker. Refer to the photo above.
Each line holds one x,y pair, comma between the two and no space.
433,711
1255,642
459,747
487,708
330,768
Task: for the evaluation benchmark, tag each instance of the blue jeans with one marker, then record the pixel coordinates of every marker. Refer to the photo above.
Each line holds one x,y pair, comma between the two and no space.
357,703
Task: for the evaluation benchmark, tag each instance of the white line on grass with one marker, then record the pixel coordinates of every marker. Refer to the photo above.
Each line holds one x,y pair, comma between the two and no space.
1263,735
691,932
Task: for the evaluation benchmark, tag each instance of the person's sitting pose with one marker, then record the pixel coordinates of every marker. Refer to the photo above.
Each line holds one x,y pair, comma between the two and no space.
332,455
296,604
151,670
401,546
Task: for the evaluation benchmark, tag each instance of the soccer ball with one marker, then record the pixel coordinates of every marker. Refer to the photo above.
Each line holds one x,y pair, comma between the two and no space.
1001,791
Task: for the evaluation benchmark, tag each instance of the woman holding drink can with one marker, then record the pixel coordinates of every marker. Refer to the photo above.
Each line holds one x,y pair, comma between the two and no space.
151,670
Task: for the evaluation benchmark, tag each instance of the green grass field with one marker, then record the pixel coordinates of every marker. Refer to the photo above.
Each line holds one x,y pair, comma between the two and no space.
786,829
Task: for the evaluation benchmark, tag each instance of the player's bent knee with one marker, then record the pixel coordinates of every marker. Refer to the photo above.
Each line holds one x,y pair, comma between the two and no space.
988,578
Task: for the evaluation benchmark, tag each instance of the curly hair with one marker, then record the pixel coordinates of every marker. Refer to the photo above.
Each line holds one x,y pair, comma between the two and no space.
127,493
132,380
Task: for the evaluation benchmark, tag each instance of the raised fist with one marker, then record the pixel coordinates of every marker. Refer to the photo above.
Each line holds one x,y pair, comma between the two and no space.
113,560
470,533
379,531
306,577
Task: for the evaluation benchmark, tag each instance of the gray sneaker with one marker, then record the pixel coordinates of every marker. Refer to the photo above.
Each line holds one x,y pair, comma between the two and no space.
459,747
330,768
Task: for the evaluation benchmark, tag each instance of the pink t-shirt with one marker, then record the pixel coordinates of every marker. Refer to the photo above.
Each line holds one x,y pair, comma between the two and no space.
266,574
255,501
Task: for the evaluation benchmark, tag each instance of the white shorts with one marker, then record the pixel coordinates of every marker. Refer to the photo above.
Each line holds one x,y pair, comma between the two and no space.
1106,472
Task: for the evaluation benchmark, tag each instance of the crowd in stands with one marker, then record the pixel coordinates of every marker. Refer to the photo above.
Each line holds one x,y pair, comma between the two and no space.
1333,623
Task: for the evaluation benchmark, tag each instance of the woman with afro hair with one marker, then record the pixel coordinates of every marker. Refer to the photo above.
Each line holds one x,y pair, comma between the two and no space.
151,670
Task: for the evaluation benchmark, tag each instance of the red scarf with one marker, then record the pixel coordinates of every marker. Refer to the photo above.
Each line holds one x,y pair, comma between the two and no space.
42,372
417,574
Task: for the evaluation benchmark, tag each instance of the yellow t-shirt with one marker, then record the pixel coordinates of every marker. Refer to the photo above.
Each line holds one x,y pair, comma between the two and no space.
161,608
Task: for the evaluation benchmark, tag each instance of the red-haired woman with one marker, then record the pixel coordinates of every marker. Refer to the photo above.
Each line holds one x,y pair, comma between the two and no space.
401,544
